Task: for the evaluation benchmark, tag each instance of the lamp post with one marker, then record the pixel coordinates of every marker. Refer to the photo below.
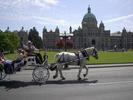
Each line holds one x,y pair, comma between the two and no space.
65,37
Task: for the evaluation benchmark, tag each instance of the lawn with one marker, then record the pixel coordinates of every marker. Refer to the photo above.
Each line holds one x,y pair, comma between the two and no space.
113,57
104,57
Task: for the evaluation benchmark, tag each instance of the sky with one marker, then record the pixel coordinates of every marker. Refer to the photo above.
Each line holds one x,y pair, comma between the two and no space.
115,14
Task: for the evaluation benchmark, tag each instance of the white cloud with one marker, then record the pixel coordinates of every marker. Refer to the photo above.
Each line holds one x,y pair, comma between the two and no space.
53,2
117,24
38,19
17,3
118,18
50,20
13,17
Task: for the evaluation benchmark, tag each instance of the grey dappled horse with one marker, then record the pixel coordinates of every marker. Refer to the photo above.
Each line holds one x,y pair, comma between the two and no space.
78,58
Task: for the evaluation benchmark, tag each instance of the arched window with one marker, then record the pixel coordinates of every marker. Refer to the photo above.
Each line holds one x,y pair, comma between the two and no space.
93,42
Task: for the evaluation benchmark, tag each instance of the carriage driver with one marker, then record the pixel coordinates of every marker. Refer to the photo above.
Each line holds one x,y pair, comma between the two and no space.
31,50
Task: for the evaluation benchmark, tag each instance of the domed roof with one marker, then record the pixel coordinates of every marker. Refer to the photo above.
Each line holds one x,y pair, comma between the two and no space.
89,18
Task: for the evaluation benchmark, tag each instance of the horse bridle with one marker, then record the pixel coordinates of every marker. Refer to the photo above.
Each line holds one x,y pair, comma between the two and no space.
94,52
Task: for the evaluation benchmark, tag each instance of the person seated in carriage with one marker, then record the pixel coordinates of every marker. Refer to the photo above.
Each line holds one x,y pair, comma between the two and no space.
31,50
5,64
2,59
19,61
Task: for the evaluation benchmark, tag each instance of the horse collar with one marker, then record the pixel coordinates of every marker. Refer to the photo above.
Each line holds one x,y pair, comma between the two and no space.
84,53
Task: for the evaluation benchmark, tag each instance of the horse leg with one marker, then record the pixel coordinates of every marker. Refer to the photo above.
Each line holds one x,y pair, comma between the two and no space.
60,71
86,71
56,73
80,69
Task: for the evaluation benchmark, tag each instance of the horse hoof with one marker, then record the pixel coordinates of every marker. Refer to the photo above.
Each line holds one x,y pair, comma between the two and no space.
79,78
54,76
63,78
85,78
84,75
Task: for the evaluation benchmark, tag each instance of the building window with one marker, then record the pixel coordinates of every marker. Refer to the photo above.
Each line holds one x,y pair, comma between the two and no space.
93,42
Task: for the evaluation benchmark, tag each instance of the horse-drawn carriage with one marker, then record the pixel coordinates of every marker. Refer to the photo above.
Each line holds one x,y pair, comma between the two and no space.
41,72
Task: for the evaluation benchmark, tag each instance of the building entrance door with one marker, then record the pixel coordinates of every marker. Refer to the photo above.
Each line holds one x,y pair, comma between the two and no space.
93,42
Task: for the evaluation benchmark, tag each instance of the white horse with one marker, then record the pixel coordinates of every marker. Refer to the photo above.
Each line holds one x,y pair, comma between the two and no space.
78,58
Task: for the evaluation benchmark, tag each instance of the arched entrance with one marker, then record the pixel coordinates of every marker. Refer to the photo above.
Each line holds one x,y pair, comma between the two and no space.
93,42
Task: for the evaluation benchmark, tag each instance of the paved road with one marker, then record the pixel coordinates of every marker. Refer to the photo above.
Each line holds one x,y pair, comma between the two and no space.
102,84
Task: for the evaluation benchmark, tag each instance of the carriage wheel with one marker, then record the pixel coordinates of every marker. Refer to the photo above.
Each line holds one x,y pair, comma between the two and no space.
2,75
40,74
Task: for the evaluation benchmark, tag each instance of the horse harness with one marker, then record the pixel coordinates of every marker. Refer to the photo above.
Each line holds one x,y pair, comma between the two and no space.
83,52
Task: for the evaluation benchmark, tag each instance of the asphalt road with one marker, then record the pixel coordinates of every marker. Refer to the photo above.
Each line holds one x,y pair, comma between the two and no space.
102,84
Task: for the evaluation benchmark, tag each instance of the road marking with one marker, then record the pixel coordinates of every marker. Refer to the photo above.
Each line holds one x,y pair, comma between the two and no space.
111,83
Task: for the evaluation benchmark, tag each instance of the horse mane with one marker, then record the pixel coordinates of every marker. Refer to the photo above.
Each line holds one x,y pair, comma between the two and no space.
90,49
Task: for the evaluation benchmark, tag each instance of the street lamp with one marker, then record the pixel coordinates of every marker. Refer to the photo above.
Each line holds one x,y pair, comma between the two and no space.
65,37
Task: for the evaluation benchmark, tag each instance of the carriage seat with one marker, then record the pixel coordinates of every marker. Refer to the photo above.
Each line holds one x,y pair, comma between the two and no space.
26,63
31,60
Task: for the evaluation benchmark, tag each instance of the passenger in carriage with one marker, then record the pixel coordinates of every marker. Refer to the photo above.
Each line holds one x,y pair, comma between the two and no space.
19,60
6,64
31,50
2,59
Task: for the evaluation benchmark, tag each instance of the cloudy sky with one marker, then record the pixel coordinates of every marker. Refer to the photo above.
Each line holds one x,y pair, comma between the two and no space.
115,14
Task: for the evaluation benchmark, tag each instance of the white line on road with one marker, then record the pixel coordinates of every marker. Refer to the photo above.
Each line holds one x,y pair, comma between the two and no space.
111,83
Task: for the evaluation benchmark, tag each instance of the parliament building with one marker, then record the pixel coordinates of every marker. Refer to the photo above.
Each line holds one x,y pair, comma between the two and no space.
92,34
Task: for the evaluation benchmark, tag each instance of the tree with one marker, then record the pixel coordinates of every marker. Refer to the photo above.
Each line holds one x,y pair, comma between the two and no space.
35,38
14,41
61,43
9,41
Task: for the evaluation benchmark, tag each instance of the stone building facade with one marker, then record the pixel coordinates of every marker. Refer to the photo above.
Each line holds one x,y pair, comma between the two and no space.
23,35
50,38
91,34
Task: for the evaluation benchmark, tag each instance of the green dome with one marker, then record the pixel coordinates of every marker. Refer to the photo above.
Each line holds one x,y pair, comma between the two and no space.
89,19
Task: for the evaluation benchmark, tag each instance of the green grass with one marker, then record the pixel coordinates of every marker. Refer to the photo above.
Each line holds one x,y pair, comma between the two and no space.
104,57
113,57
51,55
11,56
